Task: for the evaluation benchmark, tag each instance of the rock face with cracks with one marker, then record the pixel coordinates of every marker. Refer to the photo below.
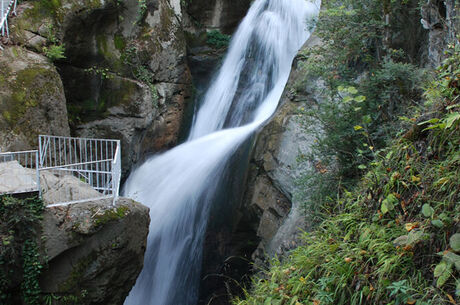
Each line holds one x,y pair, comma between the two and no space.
274,169
122,69
95,250
31,99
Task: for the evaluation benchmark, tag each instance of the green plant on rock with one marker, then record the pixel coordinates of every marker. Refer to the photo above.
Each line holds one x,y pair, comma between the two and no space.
217,39
54,52
368,88
103,73
142,11
141,72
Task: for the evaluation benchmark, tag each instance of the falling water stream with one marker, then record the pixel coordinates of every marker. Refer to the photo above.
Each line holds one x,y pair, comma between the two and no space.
179,186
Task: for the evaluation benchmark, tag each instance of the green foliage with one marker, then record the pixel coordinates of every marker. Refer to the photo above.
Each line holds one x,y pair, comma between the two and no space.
370,256
185,3
54,52
217,40
32,269
104,73
368,86
393,238
142,11
50,299
19,255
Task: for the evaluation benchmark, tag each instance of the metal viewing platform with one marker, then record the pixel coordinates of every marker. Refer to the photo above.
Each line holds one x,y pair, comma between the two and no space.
64,170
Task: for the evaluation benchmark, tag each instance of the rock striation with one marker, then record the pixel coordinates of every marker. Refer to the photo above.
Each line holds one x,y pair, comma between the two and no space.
95,251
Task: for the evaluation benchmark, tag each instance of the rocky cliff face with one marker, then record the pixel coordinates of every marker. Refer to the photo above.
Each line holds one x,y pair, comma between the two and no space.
124,70
441,20
223,15
271,186
31,100
95,251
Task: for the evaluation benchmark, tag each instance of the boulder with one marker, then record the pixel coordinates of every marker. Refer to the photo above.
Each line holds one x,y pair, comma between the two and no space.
95,250
32,100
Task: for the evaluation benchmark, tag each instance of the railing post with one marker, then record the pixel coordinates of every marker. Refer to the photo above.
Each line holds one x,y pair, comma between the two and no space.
116,172
1,19
38,174
40,149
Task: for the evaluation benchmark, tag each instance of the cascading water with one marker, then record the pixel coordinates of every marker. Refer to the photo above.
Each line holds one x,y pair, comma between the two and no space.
179,185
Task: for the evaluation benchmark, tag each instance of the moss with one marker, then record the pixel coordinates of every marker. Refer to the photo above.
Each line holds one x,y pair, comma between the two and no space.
113,92
102,46
15,52
120,42
26,93
110,49
111,215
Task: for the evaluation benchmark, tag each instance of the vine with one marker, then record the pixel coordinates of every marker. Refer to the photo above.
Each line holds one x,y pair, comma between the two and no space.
20,260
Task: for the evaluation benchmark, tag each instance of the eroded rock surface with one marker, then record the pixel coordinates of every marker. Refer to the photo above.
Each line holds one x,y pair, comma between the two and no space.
95,250
272,183
32,100
440,19
124,73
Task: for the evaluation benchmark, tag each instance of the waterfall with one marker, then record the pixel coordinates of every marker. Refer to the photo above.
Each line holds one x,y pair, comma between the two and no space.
179,185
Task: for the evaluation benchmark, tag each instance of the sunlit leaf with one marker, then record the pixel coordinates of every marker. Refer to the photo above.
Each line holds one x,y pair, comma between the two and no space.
427,210
411,225
454,242
451,119
360,98
444,274
352,90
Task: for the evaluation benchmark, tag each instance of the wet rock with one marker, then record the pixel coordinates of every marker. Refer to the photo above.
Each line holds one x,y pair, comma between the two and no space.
224,15
276,166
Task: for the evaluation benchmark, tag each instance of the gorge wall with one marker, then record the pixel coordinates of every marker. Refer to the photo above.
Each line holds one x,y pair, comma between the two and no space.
116,70
277,215
129,72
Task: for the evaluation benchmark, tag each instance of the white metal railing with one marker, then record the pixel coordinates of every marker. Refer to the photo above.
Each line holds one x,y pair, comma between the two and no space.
96,162
5,9
27,159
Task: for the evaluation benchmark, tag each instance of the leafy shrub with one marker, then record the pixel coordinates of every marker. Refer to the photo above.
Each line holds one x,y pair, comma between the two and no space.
54,52
392,239
368,87
217,40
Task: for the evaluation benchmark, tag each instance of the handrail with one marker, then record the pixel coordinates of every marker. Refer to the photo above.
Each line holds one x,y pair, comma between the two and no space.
95,161
4,12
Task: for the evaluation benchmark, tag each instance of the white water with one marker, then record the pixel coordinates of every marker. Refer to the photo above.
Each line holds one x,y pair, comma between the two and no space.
179,185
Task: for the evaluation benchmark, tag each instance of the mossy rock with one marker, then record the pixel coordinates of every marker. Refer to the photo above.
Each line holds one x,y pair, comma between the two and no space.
32,97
